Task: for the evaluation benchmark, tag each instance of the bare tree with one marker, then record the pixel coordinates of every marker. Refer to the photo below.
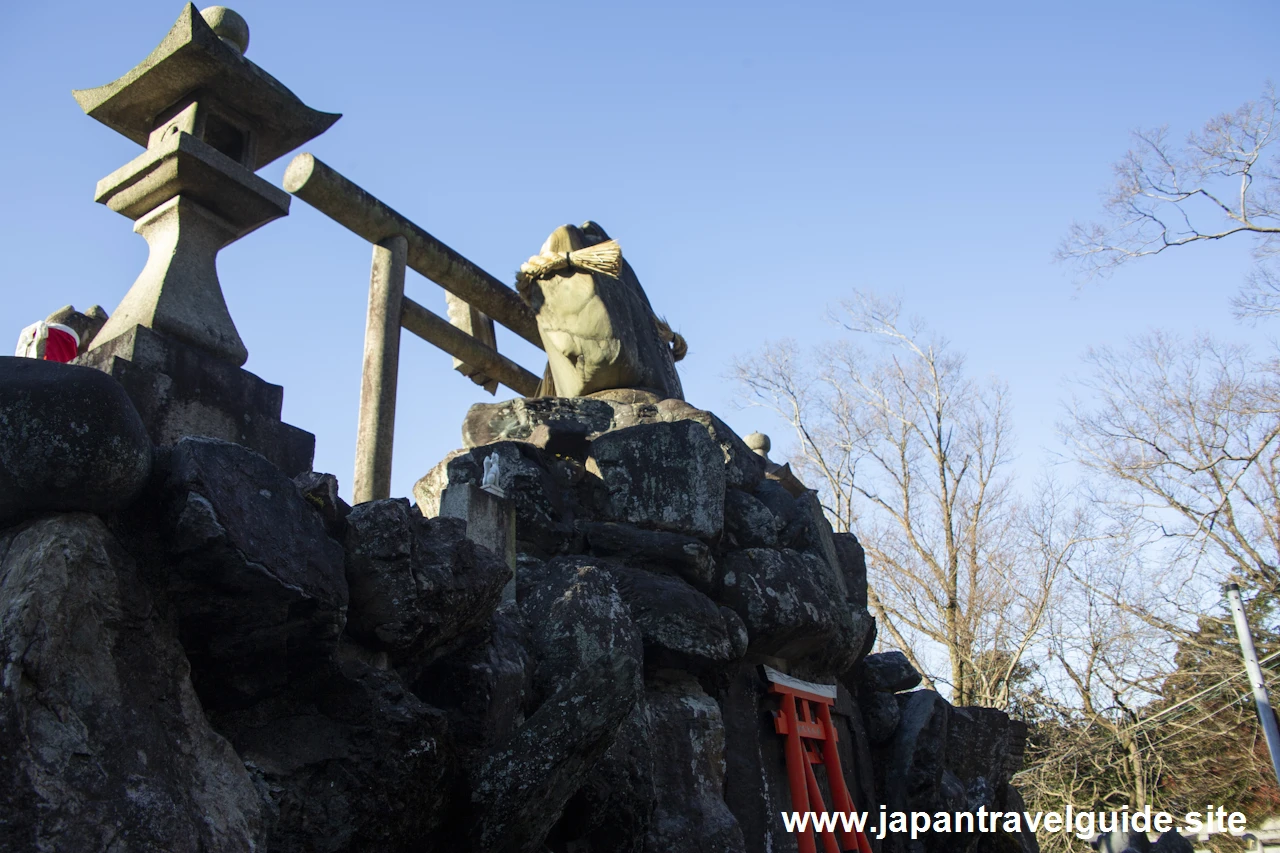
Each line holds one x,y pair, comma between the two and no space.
1184,440
1145,700
1104,666
911,455
1224,181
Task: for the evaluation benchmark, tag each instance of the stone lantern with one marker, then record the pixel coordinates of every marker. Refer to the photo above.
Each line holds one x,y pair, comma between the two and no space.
209,118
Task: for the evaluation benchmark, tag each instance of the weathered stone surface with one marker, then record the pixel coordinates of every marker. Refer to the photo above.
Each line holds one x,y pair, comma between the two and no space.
542,523
685,556
482,686
103,744
854,748
666,476
613,808
490,521
321,491
575,613
599,332
739,639
257,583
882,714
416,583
429,488
1025,840
348,760
587,675
755,767
853,565
680,627
942,758
889,671
748,522
781,503
912,775
70,439
569,421
788,603
181,391
977,752
688,734
566,425
522,785
743,468
810,531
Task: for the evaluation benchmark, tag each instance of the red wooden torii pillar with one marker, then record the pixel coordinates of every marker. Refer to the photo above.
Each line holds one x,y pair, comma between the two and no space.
811,739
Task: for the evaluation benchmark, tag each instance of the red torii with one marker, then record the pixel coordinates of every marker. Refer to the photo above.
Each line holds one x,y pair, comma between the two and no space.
813,741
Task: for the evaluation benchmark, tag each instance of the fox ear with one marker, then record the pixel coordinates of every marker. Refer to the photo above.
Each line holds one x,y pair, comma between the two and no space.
566,238
594,232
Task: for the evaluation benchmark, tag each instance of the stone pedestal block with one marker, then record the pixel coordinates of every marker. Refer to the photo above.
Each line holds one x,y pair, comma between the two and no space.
181,391
491,523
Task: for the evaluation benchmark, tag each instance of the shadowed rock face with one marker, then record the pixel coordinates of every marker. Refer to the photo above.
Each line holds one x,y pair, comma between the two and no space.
347,760
375,695
790,605
70,439
103,744
416,583
689,778
588,680
257,583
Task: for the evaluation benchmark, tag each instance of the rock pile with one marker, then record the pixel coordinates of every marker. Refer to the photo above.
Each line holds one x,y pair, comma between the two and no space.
233,660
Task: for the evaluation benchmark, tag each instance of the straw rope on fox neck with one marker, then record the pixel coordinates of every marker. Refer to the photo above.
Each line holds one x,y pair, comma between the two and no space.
603,258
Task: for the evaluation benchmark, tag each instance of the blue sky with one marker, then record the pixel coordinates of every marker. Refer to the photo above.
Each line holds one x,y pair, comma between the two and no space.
756,161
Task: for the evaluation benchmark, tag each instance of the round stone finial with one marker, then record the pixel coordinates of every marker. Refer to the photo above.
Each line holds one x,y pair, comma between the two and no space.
228,26
759,443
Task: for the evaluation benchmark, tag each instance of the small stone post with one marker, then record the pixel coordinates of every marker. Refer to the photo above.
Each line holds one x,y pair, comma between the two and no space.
491,522
375,432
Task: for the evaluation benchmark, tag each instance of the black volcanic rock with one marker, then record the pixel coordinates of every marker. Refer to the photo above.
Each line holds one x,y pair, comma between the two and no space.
416,583
256,580
70,439
103,744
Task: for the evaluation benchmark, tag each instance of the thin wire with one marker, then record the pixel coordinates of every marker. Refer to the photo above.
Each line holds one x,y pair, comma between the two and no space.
1151,746
1226,680
1203,719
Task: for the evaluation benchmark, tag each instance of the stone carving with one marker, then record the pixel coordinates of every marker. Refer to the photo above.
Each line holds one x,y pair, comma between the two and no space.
600,332
760,445
492,475
210,118
62,335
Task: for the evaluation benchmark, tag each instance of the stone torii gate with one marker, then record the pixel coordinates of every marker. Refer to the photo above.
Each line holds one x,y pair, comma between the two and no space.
210,118
476,299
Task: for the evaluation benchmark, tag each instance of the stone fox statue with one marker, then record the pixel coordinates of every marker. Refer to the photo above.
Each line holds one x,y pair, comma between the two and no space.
599,331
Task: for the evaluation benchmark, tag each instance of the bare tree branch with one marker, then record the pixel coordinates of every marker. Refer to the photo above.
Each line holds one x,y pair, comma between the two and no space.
1223,181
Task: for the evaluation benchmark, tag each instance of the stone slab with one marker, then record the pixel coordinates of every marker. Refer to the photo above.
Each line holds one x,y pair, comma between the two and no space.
491,523
180,391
